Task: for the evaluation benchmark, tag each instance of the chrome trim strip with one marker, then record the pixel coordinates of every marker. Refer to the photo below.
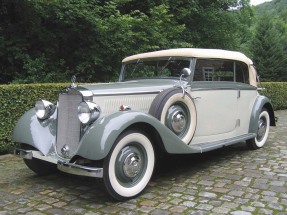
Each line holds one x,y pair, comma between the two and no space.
79,169
220,85
127,93
29,154
219,88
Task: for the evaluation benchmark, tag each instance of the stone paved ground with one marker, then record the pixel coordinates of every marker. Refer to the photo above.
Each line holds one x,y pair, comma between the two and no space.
232,180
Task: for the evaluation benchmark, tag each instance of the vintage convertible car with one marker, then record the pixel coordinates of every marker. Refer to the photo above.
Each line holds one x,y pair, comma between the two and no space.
177,101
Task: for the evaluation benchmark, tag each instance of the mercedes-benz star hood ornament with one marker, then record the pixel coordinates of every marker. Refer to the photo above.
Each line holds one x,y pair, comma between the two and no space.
73,80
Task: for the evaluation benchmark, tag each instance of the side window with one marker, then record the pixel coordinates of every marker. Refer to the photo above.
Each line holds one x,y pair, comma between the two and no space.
214,70
220,70
208,73
242,74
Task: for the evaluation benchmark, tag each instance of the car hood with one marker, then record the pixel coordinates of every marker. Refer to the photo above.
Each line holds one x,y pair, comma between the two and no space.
130,87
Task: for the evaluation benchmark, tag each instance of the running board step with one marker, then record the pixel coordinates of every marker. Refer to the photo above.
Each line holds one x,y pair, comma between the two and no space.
205,147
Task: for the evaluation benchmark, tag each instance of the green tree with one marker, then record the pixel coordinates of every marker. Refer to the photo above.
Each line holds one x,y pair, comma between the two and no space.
48,41
213,24
268,52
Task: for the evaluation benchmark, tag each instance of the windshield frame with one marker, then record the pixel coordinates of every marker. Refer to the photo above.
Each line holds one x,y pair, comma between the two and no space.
168,59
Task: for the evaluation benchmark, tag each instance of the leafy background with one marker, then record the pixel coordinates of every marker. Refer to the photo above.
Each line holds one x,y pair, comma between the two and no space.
51,40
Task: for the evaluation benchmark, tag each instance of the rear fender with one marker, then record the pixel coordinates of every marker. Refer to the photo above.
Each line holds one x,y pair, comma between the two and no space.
261,102
100,137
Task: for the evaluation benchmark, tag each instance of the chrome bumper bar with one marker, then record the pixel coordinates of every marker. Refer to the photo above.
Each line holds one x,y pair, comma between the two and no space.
61,165
79,169
29,154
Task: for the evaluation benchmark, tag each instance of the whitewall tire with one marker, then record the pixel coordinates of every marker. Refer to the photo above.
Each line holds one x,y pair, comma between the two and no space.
178,113
262,131
129,165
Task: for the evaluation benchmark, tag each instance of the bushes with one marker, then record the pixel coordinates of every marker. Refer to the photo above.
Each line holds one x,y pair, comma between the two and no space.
15,100
277,93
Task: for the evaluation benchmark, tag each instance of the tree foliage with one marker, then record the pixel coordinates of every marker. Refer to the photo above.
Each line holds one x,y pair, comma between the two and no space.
267,49
269,44
48,41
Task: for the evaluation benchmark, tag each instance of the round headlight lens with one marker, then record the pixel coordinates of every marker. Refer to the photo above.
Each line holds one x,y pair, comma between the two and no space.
84,112
44,109
88,112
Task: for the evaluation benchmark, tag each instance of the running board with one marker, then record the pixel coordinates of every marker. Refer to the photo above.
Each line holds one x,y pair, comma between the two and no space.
205,147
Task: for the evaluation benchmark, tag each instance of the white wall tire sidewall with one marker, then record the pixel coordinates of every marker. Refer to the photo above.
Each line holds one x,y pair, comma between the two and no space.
131,191
192,111
261,143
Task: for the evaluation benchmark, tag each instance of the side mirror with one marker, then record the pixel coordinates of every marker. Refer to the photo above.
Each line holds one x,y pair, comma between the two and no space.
185,72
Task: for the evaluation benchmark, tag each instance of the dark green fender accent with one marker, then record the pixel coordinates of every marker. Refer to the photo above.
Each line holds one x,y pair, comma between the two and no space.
39,134
260,102
100,137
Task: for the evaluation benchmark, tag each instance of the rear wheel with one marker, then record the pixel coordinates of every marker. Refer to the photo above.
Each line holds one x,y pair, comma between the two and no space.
129,165
262,132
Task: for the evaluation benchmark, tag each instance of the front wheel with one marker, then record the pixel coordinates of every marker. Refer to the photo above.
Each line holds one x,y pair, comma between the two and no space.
40,167
262,132
129,165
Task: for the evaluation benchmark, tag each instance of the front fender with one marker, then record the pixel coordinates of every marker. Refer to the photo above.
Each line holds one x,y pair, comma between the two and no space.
260,102
39,134
100,137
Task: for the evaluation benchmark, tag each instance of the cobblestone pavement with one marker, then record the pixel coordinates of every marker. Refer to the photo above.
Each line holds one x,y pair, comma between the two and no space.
232,180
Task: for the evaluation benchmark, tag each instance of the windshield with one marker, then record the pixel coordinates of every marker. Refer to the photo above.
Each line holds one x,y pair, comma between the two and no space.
154,68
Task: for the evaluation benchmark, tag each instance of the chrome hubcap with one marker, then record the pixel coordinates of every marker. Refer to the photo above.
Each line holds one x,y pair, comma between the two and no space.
178,122
132,165
177,119
261,129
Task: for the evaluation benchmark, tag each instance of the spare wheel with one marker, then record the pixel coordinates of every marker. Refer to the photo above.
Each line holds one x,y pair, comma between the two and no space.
178,113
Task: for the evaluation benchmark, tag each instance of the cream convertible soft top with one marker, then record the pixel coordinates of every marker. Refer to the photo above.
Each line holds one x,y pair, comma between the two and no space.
200,53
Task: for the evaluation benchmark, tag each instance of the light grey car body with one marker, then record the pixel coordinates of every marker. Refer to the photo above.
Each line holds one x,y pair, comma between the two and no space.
223,113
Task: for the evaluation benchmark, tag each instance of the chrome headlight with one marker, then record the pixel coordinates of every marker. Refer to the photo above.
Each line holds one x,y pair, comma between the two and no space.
44,109
88,112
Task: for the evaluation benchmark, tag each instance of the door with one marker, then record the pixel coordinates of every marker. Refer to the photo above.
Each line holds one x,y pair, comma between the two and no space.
216,98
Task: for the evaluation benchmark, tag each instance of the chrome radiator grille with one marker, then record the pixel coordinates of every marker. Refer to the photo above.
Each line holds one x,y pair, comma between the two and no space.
69,126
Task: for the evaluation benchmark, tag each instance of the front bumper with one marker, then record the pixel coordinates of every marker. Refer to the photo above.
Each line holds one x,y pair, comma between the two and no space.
63,166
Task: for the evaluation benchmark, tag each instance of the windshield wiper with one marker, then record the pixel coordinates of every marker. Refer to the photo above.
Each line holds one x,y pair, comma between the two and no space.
166,64
136,66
